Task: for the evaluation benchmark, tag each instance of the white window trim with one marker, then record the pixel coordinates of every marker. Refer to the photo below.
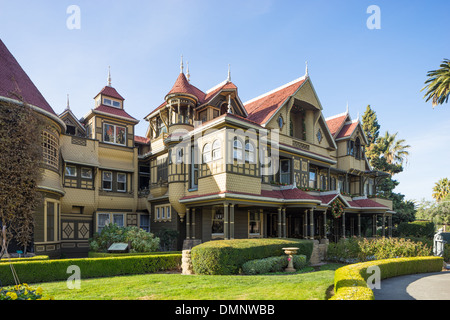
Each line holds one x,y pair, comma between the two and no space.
114,135
110,218
103,179
67,174
163,213
125,182
112,103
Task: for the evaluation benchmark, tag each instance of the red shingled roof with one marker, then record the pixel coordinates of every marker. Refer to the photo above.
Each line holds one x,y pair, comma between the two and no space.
13,79
111,92
366,203
347,130
142,140
262,108
114,111
182,85
335,123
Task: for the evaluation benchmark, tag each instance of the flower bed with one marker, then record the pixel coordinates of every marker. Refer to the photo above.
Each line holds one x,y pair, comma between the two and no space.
22,292
350,281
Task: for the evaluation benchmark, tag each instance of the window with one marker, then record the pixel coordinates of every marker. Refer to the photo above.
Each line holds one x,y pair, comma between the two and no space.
312,178
254,223
51,221
341,184
71,171
217,222
237,149
179,155
121,182
319,136
50,149
107,180
86,173
163,213
144,222
333,183
216,150
114,134
193,172
207,153
249,152
70,129
203,116
350,148
104,219
144,176
323,182
358,148
285,171
280,122
111,103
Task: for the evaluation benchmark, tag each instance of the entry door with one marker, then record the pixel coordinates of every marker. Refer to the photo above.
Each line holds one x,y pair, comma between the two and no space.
272,225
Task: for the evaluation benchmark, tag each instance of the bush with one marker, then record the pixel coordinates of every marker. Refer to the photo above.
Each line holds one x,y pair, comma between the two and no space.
109,255
56,270
350,282
272,264
416,229
227,256
141,241
353,250
22,292
42,257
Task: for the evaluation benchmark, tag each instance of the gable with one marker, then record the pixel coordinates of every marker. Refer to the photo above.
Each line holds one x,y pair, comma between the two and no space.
307,93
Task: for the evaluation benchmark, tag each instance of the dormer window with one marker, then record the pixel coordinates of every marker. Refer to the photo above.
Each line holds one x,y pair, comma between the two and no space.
111,103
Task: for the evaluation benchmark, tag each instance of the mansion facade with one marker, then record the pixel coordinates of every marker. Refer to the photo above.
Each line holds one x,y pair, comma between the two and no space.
209,166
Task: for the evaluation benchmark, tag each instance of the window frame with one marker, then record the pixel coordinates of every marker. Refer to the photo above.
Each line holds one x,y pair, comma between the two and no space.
110,181
206,151
114,135
163,213
68,173
237,149
216,150
250,151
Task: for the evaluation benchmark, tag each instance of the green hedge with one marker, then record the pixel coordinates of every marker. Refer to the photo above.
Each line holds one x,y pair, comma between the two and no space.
227,256
93,254
350,281
272,264
56,270
6,260
416,229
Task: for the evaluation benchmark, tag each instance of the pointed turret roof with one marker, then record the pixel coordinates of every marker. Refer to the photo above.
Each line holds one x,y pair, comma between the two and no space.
182,86
15,83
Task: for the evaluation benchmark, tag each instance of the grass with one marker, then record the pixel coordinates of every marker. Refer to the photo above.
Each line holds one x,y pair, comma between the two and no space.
165,286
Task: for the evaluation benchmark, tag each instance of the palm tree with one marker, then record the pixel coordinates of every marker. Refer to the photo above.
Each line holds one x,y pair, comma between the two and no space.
438,84
441,189
393,150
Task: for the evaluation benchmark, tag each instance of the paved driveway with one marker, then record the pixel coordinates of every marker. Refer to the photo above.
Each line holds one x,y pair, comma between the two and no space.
424,286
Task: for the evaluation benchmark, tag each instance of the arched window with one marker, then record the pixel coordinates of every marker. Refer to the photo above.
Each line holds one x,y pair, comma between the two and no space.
249,152
237,149
207,153
216,150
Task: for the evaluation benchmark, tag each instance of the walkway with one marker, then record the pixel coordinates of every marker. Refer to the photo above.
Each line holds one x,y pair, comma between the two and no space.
424,286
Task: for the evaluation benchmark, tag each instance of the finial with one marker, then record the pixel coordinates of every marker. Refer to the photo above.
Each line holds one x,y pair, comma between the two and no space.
229,110
188,76
109,76
357,117
306,69
347,108
68,106
181,65
229,73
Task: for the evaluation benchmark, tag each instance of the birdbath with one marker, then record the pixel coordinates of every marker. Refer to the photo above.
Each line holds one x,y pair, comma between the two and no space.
290,252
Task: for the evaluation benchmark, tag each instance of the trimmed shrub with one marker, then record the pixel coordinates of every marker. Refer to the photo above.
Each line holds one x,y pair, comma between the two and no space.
353,250
227,256
3,260
416,229
350,282
56,270
92,254
272,264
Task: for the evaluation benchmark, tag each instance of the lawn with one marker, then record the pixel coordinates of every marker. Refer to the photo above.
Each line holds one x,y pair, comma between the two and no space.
166,286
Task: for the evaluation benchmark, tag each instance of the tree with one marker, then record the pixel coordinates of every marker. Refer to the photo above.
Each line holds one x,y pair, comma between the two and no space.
20,156
393,150
438,84
372,130
441,189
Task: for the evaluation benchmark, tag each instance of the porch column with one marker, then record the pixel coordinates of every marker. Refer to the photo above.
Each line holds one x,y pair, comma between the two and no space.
384,225
359,225
193,223
226,219
280,231
305,224
343,225
232,221
311,223
390,225
284,222
188,224
325,224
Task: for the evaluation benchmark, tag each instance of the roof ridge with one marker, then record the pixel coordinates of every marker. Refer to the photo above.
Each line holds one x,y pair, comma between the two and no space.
337,116
217,86
275,90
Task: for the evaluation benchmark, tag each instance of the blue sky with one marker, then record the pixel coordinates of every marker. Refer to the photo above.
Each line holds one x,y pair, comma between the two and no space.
266,42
